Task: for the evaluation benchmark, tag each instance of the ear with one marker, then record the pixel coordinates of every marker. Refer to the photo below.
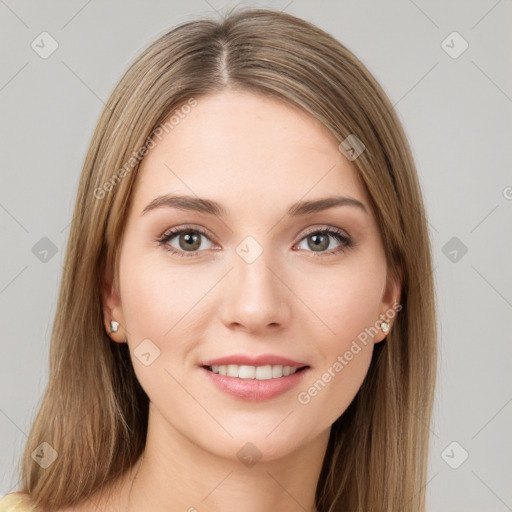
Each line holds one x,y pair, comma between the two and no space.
390,304
112,309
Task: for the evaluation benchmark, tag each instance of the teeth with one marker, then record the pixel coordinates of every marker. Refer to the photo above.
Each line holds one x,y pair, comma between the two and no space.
253,372
246,372
263,372
277,371
232,370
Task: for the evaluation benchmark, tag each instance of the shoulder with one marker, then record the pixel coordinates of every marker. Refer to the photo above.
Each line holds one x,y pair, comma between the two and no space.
16,502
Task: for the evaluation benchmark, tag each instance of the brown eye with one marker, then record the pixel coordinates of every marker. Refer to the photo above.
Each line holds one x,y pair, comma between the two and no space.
319,242
188,240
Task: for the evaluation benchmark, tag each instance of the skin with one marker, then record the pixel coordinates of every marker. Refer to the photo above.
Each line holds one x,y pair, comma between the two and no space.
256,156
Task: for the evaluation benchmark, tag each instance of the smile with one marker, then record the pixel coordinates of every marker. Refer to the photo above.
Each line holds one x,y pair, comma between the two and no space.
254,383
265,372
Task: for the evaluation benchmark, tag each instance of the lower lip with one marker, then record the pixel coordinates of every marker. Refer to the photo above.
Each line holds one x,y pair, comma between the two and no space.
253,389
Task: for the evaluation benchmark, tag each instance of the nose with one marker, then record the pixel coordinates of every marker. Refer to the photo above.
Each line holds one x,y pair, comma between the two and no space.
256,299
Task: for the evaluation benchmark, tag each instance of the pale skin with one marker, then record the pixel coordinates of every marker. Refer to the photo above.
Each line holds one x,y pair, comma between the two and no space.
256,157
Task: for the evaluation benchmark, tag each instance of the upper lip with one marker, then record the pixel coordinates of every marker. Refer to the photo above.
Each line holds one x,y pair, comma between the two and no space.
261,360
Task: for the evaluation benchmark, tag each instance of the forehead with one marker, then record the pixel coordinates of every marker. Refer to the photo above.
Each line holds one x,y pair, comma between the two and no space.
244,149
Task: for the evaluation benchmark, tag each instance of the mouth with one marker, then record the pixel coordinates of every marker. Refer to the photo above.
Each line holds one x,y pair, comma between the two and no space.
265,372
254,383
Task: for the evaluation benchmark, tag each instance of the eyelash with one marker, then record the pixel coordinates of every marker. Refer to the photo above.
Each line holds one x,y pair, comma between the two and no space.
346,242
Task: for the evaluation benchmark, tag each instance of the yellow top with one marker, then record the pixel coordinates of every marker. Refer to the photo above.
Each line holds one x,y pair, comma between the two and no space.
15,502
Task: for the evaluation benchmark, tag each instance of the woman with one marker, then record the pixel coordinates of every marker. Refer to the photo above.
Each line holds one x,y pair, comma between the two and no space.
246,317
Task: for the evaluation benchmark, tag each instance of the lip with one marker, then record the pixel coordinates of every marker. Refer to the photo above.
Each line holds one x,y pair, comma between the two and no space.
261,360
254,390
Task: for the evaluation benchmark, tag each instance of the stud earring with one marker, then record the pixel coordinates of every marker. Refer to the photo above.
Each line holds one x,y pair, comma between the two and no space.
113,326
384,325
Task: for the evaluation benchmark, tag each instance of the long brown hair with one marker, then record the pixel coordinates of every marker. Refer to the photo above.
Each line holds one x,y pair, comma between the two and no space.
94,413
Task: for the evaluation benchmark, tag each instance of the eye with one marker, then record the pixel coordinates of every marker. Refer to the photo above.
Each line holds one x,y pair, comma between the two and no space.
188,240
320,240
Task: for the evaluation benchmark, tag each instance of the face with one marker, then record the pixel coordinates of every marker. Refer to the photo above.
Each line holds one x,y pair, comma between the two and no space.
253,282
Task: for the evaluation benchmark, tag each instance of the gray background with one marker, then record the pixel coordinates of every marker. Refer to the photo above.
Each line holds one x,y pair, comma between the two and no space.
456,113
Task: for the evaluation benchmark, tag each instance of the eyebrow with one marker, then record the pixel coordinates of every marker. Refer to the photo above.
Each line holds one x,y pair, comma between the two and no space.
201,205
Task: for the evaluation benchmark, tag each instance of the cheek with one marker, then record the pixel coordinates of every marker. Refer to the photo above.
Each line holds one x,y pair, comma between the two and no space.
345,358
157,307
147,303
165,304
347,302
156,297
346,299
